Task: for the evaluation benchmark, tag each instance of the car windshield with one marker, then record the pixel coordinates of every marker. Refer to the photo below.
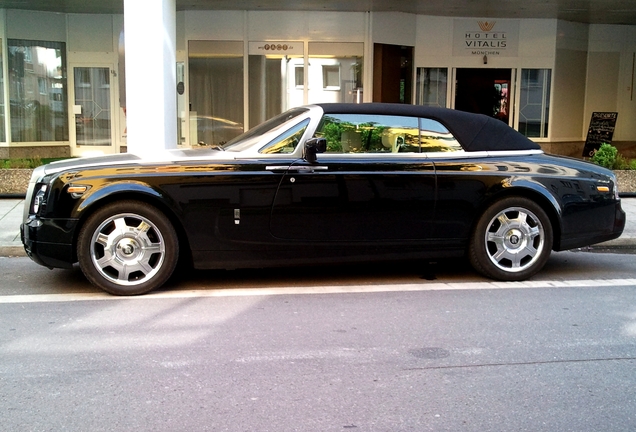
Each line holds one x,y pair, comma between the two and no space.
247,139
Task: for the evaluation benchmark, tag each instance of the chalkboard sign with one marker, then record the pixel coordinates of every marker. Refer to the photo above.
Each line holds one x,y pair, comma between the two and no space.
601,131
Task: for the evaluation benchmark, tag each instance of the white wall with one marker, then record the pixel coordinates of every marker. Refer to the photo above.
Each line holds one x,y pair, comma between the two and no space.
537,48
275,25
568,82
394,28
32,25
90,33
610,77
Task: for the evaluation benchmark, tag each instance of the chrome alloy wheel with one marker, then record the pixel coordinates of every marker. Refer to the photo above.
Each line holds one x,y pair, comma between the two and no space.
127,249
514,239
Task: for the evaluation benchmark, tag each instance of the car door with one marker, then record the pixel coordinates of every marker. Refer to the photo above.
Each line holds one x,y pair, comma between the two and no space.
372,184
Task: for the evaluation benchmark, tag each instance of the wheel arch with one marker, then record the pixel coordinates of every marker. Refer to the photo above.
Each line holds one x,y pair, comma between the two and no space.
535,192
136,192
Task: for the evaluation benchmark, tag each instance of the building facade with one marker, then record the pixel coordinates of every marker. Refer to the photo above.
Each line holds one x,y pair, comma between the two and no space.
63,80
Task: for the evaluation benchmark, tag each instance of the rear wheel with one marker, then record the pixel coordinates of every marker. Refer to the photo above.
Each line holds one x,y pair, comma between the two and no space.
512,240
128,248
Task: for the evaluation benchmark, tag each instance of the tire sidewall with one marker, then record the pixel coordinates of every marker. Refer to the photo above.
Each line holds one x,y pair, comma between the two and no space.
162,223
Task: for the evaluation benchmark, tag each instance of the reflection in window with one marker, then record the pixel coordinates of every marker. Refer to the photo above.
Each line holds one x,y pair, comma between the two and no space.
434,138
216,91
287,142
431,87
37,91
534,103
255,134
363,133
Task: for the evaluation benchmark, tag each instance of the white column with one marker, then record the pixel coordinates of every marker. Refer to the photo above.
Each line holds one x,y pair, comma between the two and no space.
151,98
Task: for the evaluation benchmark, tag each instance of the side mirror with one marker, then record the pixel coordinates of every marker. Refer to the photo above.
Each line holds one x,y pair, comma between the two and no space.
313,147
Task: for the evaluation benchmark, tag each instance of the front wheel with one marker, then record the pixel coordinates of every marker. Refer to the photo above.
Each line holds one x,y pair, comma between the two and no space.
128,248
512,240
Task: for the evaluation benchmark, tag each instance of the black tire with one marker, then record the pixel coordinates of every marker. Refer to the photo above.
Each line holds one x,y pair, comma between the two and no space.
128,248
512,240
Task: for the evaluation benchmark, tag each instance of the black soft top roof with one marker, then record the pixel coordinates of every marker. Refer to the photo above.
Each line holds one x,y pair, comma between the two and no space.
475,132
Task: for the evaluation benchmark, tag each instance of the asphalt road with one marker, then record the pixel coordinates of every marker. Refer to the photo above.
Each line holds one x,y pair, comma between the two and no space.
367,348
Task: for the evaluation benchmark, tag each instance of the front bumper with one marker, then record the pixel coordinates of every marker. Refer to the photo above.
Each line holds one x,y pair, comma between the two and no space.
49,242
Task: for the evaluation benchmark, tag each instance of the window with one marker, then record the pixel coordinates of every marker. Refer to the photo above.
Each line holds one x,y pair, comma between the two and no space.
363,133
37,91
252,136
534,104
331,77
42,85
300,76
431,87
216,91
287,142
434,138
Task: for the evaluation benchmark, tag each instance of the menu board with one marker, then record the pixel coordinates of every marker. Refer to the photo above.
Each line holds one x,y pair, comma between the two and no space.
601,131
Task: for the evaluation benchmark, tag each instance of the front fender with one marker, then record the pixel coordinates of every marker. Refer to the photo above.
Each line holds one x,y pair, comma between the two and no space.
96,195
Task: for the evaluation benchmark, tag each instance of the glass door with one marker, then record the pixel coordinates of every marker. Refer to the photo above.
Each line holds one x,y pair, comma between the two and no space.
93,110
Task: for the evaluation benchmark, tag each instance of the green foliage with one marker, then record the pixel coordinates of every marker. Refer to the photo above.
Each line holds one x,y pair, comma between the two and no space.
370,134
332,133
21,163
605,156
621,163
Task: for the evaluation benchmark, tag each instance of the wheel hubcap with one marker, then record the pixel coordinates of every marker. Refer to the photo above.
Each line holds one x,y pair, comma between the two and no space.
514,239
127,249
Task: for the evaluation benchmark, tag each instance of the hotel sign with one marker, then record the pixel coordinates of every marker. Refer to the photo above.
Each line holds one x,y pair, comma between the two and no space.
475,37
276,48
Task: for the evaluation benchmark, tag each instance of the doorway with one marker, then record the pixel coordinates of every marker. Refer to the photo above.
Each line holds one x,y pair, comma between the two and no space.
92,110
484,91
392,73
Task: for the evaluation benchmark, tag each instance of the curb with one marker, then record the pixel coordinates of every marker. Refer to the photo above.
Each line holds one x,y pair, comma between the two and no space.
12,251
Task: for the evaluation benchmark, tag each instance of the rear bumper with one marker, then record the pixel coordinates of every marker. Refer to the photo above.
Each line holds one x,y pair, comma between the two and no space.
598,237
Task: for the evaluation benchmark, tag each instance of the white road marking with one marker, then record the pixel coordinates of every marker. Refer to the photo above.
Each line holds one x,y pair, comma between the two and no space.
331,289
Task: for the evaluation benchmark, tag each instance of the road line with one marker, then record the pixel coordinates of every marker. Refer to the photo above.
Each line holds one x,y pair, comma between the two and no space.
331,289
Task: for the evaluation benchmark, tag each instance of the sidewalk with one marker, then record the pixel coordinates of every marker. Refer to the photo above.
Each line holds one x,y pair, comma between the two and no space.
11,218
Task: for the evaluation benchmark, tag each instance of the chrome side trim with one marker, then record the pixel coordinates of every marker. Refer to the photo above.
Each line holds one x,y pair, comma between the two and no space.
297,168
435,155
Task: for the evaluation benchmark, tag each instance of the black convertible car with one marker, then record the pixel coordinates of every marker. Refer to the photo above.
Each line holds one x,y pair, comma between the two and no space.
326,183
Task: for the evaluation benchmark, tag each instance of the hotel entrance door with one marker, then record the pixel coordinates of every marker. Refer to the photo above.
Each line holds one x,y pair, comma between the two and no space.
485,91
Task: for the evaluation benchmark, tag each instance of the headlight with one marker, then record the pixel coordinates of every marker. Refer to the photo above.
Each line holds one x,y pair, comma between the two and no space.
38,199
